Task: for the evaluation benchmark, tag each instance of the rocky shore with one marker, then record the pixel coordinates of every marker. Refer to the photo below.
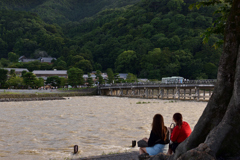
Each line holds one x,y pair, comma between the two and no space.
120,156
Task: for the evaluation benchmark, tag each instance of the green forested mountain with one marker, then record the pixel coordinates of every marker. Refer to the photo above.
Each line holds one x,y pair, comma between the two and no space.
153,38
23,33
144,28
63,11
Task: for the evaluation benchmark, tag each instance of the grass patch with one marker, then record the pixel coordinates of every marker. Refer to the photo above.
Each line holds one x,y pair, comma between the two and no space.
51,94
39,95
74,89
171,101
143,102
9,93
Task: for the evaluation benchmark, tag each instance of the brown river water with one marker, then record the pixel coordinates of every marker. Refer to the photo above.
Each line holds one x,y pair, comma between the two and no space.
42,130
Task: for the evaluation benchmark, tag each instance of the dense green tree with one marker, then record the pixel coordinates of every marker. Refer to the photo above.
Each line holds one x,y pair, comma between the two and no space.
131,78
63,81
15,81
3,76
97,66
211,70
12,73
126,61
110,75
75,76
147,30
53,81
89,80
175,5
23,73
85,65
12,57
39,82
4,62
3,47
29,79
117,78
25,47
99,77
155,63
60,65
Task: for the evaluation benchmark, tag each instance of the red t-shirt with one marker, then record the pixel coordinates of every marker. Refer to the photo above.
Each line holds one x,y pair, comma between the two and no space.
179,135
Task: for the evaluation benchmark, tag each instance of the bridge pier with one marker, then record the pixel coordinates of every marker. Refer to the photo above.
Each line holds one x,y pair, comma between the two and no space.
133,92
184,93
190,94
173,95
147,91
204,94
198,96
178,94
162,93
167,93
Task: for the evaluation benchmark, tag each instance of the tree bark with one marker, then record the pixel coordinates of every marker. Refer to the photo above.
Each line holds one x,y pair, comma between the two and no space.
216,134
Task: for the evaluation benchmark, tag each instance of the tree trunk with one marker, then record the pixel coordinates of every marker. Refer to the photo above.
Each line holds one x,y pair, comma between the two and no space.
216,135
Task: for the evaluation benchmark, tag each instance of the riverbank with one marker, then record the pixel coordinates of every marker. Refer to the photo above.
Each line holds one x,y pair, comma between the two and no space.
26,95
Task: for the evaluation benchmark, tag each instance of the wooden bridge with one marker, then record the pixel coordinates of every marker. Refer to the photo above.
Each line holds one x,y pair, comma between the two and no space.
199,90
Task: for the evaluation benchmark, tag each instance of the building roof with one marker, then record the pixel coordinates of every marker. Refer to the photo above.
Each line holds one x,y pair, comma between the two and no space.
94,76
22,57
17,69
47,59
123,75
50,72
29,60
143,80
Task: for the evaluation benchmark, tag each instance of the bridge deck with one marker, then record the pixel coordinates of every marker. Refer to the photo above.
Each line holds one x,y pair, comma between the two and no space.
185,91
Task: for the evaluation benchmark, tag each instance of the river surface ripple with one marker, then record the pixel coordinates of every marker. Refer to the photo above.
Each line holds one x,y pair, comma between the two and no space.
49,129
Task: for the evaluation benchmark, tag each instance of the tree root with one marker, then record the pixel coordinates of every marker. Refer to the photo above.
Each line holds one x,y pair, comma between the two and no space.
202,152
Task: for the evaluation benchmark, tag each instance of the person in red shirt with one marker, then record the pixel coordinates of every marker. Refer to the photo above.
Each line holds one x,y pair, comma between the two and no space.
179,133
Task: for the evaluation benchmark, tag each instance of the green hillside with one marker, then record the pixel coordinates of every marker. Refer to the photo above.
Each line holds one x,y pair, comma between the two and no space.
23,33
128,40
62,11
152,39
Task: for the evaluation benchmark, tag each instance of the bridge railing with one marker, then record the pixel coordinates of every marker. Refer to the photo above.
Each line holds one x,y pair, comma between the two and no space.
205,81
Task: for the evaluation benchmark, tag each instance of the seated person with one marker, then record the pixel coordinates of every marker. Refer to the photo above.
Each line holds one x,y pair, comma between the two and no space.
158,139
179,133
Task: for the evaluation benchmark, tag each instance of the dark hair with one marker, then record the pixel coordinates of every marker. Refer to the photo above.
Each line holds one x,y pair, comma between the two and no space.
158,127
177,117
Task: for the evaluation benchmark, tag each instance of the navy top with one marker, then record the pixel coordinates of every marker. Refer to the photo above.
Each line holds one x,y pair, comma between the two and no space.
155,139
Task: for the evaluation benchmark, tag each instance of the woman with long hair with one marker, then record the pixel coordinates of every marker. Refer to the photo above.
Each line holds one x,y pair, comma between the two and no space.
158,139
179,133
